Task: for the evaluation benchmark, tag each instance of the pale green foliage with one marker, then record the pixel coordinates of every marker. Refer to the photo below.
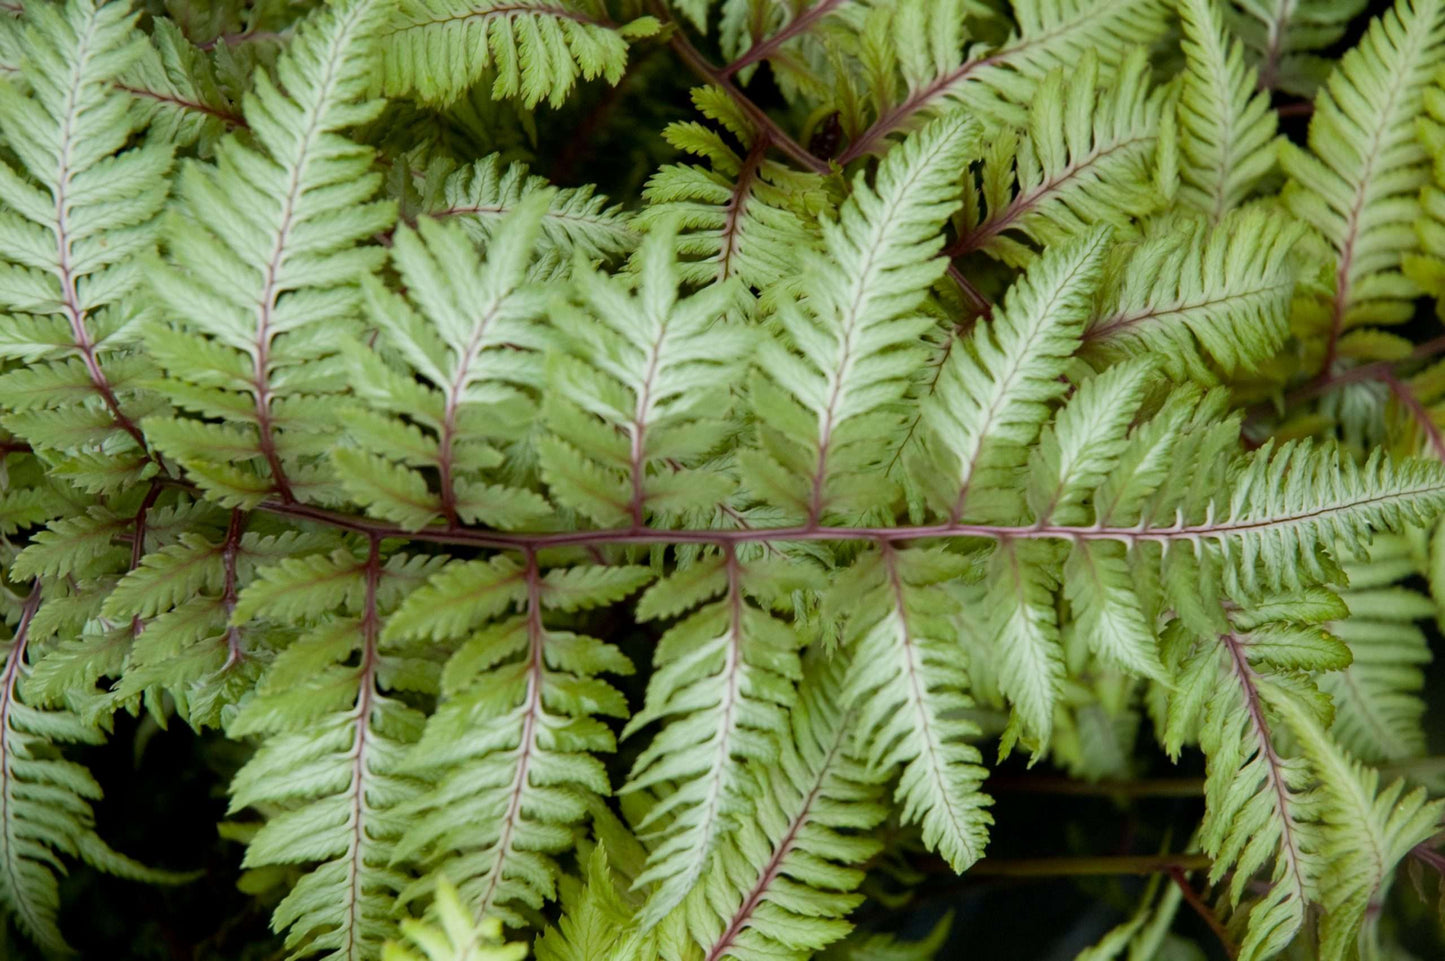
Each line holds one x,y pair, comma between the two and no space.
1189,290
746,215
1086,157
783,883
1284,37
1358,185
536,49
79,215
1226,130
851,341
285,222
455,938
380,453
481,195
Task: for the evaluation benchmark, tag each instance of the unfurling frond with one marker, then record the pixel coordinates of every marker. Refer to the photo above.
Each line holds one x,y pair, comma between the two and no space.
535,49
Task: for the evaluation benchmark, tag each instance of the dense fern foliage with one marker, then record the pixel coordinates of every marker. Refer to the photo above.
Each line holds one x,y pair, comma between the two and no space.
614,480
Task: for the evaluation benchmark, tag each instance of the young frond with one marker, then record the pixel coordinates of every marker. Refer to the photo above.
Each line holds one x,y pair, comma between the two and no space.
783,884
1086,157
1226,126
1188,290
905,690
470,329
1359,182
264,257
508,755
77,215
533,49
723,677
641,396
455,936
852,343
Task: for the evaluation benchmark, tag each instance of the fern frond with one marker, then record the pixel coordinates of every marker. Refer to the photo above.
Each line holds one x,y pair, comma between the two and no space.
458,938
1261,811
508,755
79,215
264,256
476,345
1226,126
993,392
743,216
1377,699
1087,157
481,195
332,764
906,691
722,681
1285,38
1188,290
1367,832
642,396
921,43
856,330
177,91
1359,182
596,922
45,800
535,49
783,883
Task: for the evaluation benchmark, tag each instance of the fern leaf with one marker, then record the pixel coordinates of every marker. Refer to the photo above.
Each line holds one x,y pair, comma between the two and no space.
782,884
992,394
80,213
722,678
1188,291
1226,127
644,392
905,689
332,764
474,342
1285,37
744,216
481,195
498,806
923,41
46,812
857,329
535,49
1087,157
1367,832
1359,184
1377,698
